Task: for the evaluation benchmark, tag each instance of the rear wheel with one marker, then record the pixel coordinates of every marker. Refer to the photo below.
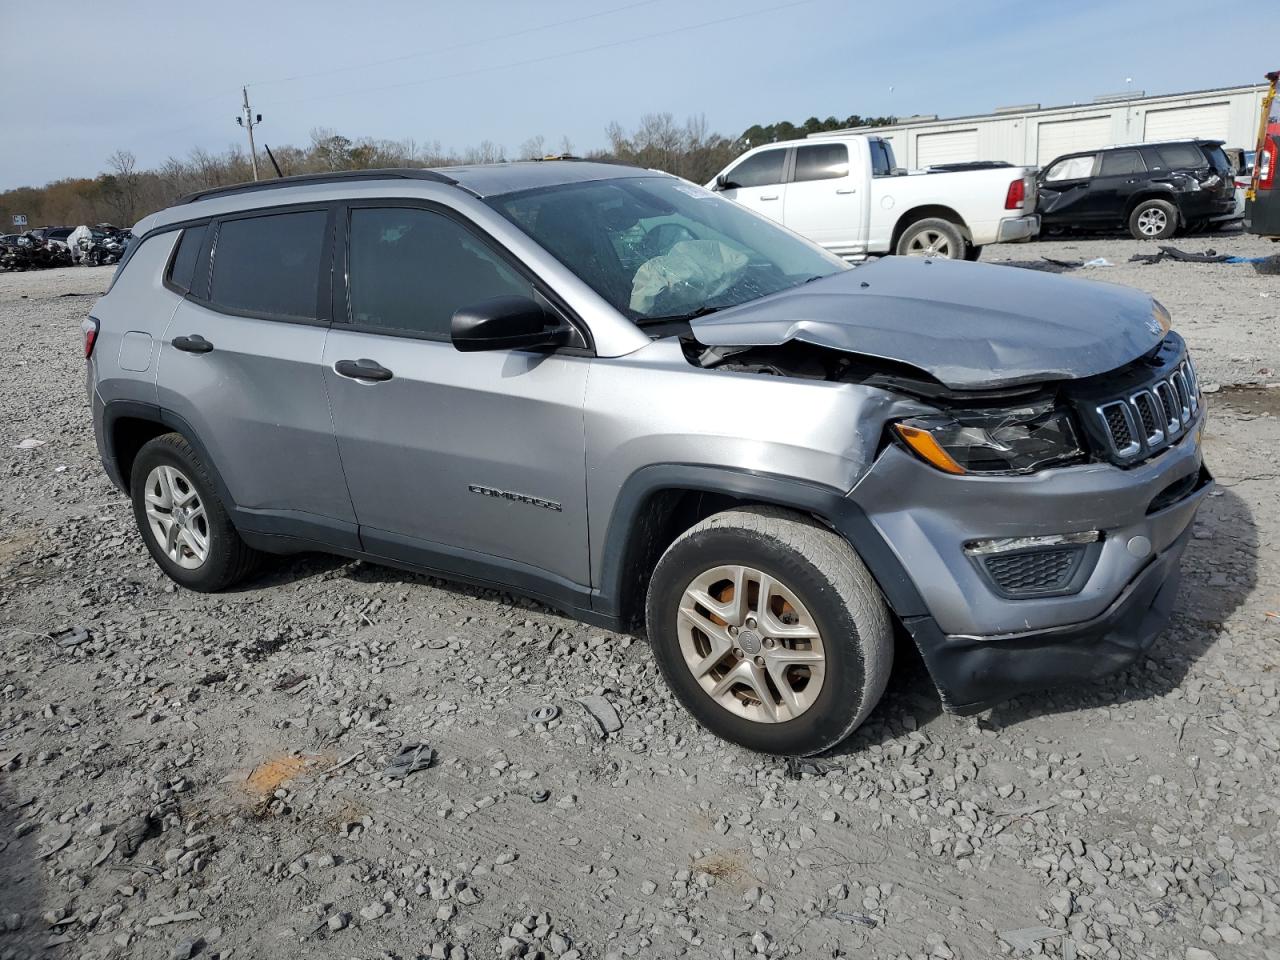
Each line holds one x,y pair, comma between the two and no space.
770,630
932,237
1153,220
183,523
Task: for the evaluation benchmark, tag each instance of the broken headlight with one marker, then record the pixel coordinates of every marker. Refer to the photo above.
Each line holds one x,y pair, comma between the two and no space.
1011,440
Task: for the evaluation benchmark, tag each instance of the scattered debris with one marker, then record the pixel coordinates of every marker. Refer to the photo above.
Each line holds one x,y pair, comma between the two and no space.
540,796
71,636
603,712
543,714
1098,262
1173,253
1026,938
411,758
135,831
858,918
167,918
29,444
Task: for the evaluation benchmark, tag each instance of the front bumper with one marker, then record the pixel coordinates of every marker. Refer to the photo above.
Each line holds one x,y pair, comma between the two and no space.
974,673
1015,229
981,647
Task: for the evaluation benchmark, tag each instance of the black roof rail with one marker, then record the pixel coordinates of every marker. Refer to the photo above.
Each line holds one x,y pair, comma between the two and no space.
302,180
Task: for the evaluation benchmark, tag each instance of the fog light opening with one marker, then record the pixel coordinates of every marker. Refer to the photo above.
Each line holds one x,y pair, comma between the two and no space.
981,548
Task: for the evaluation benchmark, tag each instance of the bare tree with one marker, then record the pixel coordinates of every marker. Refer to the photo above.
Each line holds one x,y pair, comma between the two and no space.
533,148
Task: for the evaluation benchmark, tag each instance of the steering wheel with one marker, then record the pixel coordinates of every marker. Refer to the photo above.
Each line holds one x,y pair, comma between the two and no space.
664,236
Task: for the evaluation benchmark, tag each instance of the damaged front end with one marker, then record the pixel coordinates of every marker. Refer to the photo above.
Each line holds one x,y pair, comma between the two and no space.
1038,520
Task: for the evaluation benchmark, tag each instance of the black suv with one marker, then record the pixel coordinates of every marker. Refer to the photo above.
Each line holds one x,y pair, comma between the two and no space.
1154,189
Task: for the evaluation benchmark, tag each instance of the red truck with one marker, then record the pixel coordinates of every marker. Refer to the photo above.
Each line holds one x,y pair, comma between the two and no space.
1262,200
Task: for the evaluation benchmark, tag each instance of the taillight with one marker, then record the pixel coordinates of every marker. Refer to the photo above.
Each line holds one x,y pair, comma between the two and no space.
1267,165
1016,195
90,328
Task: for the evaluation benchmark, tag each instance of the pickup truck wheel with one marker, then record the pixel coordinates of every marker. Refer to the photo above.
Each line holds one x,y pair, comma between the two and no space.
182,521
1153,220
932,237
770,630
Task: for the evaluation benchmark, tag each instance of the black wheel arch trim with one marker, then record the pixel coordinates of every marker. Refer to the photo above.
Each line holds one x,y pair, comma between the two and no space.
614,594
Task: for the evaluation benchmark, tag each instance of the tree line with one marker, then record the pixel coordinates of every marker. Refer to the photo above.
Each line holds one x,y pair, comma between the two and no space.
123,193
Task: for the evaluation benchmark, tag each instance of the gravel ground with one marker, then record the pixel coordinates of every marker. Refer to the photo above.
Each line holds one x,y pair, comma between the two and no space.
185,775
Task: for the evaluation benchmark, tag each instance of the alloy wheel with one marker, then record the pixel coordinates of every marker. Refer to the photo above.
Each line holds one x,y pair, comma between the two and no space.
177,517
929,243
1151,223
751,644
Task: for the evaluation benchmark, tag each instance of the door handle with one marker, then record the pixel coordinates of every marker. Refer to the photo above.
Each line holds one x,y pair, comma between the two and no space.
363,369
846,190
192,344
773,197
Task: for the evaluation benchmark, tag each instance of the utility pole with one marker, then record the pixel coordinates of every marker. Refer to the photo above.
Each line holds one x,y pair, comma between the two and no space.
248,119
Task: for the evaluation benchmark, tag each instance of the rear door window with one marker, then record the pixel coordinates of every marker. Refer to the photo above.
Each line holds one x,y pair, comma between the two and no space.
760,170
1117,163
1071,168
269,265
825,161
882,163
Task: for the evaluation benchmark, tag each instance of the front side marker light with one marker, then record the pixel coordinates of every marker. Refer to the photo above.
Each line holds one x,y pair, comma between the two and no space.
928,448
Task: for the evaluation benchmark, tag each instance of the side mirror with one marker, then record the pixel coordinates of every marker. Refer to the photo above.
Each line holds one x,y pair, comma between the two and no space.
722,183
506,323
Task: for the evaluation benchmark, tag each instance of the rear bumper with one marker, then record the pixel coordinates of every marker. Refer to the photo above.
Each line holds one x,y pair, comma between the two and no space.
974,673
1015,229
1264,214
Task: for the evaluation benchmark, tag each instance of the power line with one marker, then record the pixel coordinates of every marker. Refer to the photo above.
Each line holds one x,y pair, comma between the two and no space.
548,57
346,68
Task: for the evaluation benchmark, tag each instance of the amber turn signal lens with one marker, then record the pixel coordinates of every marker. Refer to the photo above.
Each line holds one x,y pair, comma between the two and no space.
927,448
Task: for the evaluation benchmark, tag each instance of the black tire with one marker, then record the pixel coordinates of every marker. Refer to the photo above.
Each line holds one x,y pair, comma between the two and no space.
972,252
827,577
945,230
1154,212
229,559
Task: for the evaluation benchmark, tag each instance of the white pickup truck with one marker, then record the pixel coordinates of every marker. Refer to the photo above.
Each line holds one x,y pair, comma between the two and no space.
847,194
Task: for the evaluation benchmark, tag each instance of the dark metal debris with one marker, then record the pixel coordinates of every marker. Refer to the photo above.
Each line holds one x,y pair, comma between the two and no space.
411,758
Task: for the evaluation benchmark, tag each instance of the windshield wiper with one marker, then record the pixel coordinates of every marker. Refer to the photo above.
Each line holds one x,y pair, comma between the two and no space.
702,311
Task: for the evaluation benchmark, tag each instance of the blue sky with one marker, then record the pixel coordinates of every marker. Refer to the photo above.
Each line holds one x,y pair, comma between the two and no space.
83,80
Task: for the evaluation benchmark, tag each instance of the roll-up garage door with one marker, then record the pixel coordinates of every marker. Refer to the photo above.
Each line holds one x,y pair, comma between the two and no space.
1210,121
951,146
1057,137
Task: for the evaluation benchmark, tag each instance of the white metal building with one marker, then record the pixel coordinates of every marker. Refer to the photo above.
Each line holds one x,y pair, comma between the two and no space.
1031,134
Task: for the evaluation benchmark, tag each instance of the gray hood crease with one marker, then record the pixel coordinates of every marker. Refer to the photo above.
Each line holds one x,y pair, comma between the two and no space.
969,325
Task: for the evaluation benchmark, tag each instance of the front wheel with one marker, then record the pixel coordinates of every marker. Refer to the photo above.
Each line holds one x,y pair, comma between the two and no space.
183,523
770,630
1153,220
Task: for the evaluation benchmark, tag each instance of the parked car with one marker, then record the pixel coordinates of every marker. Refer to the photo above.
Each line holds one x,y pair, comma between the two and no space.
622,394
1153,189
847,194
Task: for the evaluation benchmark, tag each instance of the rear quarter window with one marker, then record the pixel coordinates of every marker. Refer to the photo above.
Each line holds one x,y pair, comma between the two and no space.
1181,155
182,270
269,265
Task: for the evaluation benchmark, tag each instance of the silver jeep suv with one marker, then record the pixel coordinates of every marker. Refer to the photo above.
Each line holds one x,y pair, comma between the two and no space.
616,392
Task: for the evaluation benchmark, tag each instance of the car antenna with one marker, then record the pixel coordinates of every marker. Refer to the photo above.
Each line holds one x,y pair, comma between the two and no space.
273,160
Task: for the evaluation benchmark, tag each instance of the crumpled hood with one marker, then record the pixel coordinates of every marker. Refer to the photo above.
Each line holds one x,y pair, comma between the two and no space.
970,325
